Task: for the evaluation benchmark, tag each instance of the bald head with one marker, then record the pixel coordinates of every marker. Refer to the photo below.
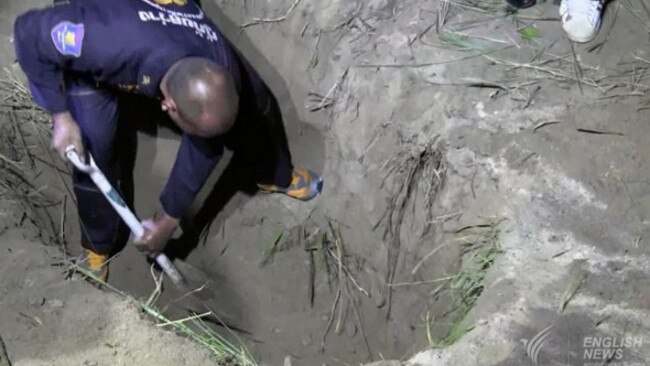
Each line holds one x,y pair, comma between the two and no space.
202,96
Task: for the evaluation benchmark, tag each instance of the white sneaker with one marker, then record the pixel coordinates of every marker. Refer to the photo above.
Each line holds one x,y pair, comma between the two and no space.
581,18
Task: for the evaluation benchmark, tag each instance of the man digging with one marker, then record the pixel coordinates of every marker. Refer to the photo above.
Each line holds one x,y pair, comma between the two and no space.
82,59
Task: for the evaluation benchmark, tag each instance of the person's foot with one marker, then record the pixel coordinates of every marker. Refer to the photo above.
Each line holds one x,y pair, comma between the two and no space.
521,4
581,18
95,264
304,186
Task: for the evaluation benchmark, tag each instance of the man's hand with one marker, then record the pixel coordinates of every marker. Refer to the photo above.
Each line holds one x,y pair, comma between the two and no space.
66,132
157,234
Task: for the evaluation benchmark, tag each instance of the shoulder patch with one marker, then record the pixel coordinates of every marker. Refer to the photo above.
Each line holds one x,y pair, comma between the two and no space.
68,38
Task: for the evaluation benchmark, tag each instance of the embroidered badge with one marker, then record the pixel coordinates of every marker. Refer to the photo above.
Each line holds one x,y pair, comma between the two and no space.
68,38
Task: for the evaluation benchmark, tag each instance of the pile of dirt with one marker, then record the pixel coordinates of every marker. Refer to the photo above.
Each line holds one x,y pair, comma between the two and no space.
46,319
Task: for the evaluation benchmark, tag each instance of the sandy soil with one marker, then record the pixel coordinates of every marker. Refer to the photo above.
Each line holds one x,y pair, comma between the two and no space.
564,164
46,319
573,200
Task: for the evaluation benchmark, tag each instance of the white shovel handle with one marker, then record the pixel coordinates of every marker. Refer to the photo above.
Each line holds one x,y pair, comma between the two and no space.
115,199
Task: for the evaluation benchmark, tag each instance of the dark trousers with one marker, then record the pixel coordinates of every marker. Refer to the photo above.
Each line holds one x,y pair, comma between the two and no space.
97,114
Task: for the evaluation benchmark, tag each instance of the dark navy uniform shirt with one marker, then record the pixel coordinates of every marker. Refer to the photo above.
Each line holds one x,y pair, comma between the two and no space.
128,45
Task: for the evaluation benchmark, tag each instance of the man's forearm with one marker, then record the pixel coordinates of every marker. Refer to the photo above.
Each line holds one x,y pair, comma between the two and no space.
195,161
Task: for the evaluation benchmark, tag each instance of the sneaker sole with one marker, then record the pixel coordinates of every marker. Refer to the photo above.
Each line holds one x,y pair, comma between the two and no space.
581,40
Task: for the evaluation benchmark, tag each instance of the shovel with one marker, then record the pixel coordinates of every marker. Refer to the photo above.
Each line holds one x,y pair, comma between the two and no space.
122,209
115,199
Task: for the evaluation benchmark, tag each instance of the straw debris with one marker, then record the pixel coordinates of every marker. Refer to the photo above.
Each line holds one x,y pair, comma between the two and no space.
412,173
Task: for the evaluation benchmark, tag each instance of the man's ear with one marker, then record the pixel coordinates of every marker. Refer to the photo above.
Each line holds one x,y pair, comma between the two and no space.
168,105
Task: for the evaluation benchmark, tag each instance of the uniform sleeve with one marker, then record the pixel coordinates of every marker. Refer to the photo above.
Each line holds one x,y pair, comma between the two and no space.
196,159
45,41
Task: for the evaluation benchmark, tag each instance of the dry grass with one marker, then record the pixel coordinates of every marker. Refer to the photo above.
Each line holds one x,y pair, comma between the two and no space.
4,358
196,327
517,71
258,21
24,128
576,279
327,250
415,176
